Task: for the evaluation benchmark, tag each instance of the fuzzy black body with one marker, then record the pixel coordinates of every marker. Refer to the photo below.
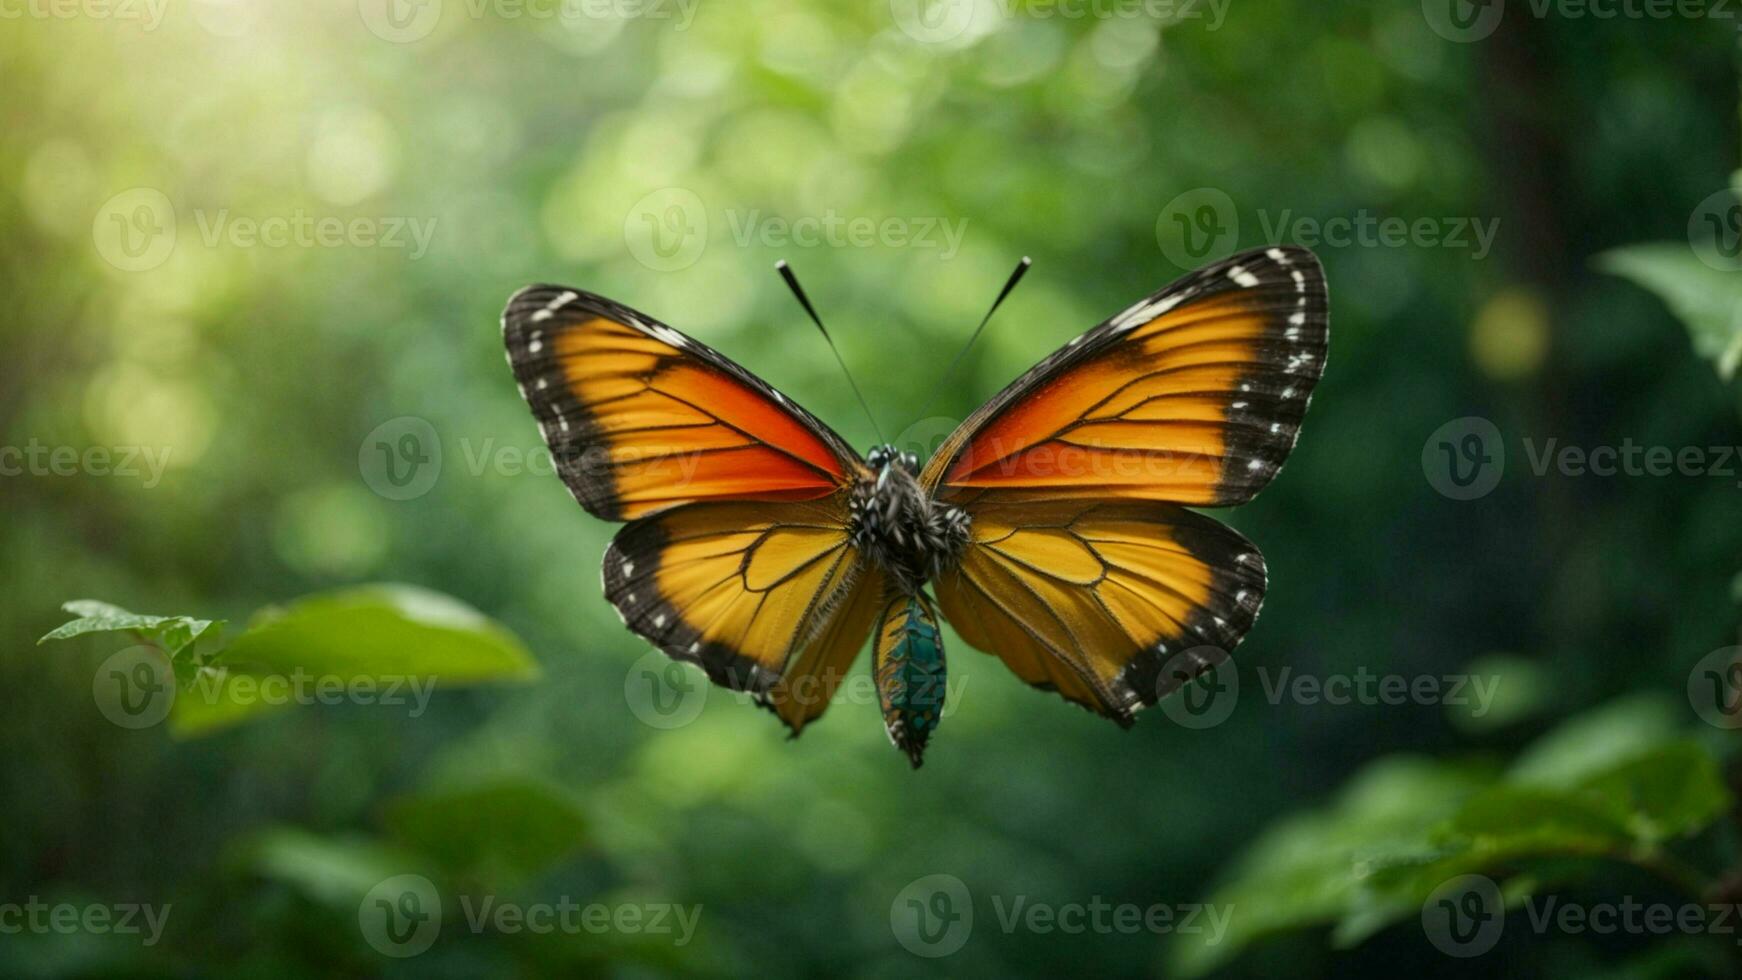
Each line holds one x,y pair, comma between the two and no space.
899,526
912,537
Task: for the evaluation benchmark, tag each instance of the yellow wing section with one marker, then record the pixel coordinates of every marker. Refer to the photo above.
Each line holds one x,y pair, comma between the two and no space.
1092,599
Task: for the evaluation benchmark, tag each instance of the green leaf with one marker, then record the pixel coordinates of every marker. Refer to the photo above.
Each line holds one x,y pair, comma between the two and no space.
1503,817
1611,785
174,635
1597,740
369,639
1669,791
496,833
1308,870
1707,300
334,871
1522,689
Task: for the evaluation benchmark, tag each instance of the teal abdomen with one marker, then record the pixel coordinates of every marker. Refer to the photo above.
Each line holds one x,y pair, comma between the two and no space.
909,667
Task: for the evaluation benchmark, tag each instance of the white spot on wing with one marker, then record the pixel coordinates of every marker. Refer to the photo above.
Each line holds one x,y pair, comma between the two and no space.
1144,312
1239,274
667,334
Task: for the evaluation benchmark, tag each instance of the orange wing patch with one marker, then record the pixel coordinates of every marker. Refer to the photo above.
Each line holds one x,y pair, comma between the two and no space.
1193,396
640,417
766,598
1093,599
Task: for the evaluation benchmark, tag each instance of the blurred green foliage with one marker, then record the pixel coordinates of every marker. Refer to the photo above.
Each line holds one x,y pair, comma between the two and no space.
259,378
1615,785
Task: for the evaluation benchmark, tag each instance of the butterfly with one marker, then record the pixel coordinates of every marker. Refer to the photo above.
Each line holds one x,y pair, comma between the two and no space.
1050,528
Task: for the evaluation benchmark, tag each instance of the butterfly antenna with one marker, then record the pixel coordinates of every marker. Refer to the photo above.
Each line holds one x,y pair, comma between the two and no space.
1015,277
804,301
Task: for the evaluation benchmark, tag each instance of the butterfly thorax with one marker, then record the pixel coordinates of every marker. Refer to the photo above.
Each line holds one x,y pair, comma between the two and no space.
900,526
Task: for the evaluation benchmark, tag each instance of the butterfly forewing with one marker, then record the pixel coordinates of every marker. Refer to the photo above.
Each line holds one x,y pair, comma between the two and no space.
1193,395
640,417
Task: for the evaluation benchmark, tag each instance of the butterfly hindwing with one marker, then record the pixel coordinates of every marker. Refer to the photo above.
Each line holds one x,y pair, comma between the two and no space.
769,598
1112,603
640,417
1193,395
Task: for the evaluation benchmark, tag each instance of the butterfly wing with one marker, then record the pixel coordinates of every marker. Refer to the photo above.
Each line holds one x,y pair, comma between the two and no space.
737,556
1095,599
769,598
640,417
1082,571
1193,395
